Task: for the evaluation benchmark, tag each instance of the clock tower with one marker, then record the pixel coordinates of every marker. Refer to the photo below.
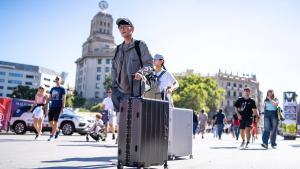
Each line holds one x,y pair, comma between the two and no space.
97,52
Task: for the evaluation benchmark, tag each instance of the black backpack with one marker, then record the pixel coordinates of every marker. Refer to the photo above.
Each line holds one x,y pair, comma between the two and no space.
152,90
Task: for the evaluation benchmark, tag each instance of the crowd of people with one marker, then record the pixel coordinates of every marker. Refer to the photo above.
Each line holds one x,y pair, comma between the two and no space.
244,122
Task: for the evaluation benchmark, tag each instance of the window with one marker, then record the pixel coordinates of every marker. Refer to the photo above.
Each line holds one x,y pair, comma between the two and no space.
104,23
98,77
99,61
1,94
47,79
234,94
28,83
11,88
8,95
2,73
15,82
96,49
228,84
1,87
107,69
15,74
97,94
240,86
240,94
101,23
228,93
97,85
108,25
46,85
2,80
107,61
234,84
98,69
29,76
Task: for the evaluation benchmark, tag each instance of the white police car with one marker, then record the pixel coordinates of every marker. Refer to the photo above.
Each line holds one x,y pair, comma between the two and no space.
69,122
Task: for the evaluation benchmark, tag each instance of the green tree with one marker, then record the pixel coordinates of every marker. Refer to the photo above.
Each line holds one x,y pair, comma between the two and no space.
196,92
107,83
78,101
24,92
69,100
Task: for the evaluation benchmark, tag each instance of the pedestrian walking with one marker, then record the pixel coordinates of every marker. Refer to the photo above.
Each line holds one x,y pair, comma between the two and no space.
236,126
39,110
202,122
245,108
270,119
57,101
195,123
112,116
219,121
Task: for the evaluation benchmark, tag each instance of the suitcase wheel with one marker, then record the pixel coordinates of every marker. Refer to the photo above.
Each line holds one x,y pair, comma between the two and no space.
166,165
191,156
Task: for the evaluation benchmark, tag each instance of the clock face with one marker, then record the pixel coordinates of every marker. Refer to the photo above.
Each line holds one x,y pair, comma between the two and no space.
103,5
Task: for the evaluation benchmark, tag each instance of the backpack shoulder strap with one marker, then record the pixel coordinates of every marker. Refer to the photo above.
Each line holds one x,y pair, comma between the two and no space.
138,51
116,52
162,73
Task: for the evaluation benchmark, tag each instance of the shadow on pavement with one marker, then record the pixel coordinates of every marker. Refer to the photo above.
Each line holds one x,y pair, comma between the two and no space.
85,159
83,167
295,145
90,145
223,148
16,140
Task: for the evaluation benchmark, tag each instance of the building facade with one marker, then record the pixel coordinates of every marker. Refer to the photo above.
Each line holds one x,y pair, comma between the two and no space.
14,74
96,61
234,87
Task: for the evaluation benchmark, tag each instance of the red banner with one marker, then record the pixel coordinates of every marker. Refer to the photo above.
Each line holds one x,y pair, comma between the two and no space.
5,109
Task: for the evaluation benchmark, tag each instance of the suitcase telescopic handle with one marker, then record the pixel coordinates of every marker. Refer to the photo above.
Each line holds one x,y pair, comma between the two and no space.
140,87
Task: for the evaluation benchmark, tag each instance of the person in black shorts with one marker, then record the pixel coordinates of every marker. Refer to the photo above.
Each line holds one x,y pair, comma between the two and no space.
57,101
245,107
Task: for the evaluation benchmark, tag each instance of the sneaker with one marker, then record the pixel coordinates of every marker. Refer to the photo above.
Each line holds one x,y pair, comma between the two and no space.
36,137
242,145
51,138
57,134
247,144
264,146
113,136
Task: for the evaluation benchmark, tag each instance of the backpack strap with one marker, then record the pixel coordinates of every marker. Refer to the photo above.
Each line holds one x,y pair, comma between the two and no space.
117,49
138,51
162,73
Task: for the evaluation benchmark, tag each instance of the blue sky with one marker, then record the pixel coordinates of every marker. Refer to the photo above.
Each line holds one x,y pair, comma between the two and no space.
257,36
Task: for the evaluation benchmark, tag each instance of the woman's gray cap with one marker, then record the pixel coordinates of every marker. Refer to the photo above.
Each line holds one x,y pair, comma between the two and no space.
158,57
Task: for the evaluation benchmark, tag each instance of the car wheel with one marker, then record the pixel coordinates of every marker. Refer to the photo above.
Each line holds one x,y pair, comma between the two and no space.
20,127
67,128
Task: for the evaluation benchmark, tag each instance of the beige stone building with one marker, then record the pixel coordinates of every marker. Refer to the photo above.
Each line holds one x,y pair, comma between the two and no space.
233,86
95,63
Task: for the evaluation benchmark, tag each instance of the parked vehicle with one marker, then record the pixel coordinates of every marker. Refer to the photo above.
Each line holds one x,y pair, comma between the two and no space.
69,122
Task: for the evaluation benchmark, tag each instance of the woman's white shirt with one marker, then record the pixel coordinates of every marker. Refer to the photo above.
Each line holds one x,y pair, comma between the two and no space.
167,79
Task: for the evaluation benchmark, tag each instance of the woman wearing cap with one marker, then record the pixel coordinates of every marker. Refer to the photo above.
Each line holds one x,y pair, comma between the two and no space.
38,110
167,82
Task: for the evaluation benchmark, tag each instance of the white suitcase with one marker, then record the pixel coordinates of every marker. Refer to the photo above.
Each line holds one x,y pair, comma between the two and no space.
180,133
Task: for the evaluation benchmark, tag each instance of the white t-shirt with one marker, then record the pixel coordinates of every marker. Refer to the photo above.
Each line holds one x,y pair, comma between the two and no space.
108,104
167,79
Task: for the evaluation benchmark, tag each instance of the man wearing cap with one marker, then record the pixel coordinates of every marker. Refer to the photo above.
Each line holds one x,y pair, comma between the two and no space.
132,57
245,108
57,105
